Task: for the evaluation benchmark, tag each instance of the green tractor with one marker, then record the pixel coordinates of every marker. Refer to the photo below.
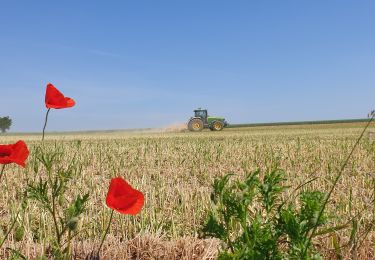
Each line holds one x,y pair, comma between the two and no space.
201,120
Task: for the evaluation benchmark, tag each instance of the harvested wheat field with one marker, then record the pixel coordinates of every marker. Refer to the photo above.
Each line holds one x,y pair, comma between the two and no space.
175,172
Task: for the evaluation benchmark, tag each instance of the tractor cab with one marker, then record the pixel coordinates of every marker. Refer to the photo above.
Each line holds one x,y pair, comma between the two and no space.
202,113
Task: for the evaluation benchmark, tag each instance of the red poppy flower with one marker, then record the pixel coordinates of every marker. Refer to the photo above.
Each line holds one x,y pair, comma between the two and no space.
55,99
123,198
14,153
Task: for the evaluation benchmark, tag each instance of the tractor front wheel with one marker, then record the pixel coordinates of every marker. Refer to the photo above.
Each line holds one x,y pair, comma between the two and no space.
217,126
195,125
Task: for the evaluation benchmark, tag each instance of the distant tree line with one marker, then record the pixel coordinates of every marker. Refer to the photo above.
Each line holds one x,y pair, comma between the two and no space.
5,123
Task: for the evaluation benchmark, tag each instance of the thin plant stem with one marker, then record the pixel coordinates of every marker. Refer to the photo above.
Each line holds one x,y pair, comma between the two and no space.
45,123
58,234
1,176
69,243
337,178
106,232
2,172
73,236
9,230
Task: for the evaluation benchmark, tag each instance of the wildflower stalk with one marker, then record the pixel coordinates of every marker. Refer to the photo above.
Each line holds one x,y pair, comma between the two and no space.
337,178
9,230
2,171
106,232
1,176
45,123
58,234
69,242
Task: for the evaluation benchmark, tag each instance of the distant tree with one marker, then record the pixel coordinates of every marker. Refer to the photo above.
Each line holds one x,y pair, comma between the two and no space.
5,123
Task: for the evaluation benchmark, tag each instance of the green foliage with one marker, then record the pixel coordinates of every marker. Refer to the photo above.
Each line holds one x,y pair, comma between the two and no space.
253,222
19,233
5,123
50,192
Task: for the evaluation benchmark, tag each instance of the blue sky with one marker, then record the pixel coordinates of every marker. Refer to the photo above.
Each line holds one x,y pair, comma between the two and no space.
135,64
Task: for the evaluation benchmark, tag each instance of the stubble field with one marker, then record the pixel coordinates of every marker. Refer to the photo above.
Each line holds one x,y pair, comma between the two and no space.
175,171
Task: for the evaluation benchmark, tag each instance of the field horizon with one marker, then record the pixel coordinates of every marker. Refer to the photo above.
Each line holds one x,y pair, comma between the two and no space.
183,126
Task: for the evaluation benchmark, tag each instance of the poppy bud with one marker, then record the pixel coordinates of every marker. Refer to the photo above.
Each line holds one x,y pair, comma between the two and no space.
19,233
73,223
61,200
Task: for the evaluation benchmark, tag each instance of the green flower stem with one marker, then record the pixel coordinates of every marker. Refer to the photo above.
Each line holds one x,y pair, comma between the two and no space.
9,230
1,176
69,243
58,234
106,232
2,172
337,178
45,123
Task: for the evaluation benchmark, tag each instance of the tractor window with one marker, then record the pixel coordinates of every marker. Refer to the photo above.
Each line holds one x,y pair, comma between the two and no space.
201,114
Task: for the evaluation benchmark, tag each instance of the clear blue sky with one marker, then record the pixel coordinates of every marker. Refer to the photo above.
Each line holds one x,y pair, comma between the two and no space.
131,64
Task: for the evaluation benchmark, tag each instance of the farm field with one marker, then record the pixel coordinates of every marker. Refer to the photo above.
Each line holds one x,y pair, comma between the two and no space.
176,170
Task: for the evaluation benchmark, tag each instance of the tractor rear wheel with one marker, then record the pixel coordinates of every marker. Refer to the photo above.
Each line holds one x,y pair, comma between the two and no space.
195,125
217,126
